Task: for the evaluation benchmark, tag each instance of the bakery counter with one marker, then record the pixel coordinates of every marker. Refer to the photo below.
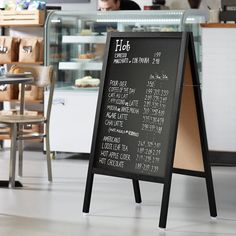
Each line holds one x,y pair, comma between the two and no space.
73,115
72,119
219,90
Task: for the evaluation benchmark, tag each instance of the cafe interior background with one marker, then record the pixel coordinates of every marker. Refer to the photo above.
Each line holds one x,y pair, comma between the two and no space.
52,208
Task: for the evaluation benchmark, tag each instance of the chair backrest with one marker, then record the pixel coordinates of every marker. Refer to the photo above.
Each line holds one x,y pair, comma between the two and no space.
42,74
43,77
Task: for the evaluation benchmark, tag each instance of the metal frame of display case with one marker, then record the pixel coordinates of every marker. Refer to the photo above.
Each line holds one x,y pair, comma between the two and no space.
179,20
63,33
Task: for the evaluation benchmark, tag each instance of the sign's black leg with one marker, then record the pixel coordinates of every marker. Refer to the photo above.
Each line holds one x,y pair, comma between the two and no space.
137,193
165,203
88,192
210,193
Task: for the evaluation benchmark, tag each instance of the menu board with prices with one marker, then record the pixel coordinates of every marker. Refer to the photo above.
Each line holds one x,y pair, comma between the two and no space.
136,112
149,120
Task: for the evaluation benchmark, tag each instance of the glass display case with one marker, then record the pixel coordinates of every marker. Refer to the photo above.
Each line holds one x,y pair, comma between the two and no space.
74,41
74,45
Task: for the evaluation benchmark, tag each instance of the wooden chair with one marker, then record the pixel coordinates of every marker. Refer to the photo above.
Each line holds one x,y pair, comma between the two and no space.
43,77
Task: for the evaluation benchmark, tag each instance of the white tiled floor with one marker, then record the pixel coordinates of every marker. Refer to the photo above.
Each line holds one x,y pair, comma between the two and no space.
44,209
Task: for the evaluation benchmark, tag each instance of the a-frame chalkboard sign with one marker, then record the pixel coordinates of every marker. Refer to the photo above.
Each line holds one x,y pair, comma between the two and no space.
149,120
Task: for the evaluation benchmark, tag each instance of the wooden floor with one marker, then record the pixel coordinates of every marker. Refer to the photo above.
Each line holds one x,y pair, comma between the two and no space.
44,209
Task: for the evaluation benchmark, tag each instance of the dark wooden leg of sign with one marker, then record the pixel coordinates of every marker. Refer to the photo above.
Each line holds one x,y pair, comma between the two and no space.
137,193
88,192
210,191
165,203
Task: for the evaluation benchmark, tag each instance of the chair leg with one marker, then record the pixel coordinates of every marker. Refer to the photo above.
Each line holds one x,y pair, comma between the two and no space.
20,164
12,173
49,165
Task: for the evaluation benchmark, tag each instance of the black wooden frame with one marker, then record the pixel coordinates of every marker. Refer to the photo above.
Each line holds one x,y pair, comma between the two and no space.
186,48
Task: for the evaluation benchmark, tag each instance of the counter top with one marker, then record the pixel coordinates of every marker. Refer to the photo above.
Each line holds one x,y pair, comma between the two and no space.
218,25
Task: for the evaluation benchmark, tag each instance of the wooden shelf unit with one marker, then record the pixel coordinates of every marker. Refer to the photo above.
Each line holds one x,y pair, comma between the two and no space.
13,19
23,25
22,18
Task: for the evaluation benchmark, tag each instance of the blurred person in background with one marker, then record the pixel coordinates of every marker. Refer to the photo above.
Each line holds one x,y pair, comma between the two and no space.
116,5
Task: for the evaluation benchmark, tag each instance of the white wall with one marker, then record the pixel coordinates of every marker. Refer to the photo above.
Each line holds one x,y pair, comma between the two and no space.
219,87
1,4
182,4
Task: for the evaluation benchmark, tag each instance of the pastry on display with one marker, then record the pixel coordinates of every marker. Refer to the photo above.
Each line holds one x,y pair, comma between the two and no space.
167,29
87,56
58,55
86,32
87,81
16,70
111,29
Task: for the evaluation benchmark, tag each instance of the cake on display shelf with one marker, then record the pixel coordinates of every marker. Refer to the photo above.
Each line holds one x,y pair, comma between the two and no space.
87,81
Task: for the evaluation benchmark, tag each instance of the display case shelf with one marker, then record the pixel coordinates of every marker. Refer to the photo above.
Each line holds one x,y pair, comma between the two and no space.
80,66
84,39
78,89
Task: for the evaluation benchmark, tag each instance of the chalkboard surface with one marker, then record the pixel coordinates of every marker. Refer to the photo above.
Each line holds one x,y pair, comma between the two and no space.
135,117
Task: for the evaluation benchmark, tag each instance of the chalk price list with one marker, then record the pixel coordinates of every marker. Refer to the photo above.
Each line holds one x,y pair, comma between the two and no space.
120,105
153,119
123,145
